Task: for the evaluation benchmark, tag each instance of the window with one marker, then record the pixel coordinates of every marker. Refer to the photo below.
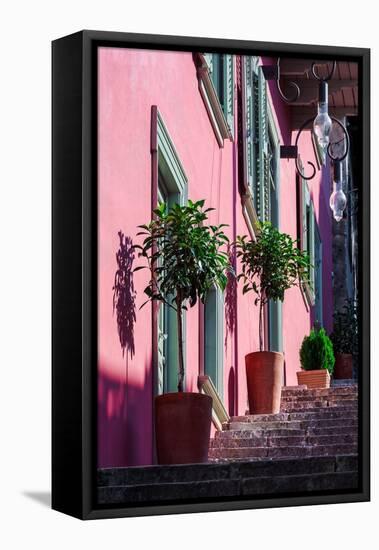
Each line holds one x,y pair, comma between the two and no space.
215,74
318,309
213,338
172,188
307,237
257,159
220,67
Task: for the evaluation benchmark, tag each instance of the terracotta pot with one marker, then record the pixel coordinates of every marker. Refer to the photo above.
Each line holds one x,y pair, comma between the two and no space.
343,367
314,378
182,427
264,372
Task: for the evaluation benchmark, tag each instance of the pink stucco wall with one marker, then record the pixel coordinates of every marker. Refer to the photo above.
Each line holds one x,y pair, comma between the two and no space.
129,83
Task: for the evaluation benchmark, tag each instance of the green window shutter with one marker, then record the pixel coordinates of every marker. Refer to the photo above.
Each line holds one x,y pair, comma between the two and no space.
305,203
229,91
249,130
308,231
312,244
209,59
266,187
256,143
318,277
213,338
264,161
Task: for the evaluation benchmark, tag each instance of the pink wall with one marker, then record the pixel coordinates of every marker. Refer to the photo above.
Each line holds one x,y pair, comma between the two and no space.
130,82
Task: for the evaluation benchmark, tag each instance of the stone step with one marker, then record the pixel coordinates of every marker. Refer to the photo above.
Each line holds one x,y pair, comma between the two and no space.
287,431
322,414
284,441
227,488
314,406
235,453
345,383
333,401
300,483
157,483
332,396
292,424
137,475
338,389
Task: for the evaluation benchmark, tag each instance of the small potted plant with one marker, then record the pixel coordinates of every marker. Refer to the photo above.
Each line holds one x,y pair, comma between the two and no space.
271,264
345,340
186,260
316,359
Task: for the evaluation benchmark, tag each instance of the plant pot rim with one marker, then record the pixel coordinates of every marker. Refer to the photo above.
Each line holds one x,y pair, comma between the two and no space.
344,354
265,353
175,396
314,370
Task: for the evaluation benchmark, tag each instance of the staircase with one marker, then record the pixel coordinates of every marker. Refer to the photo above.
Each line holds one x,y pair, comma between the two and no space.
311,423
157,484
311,445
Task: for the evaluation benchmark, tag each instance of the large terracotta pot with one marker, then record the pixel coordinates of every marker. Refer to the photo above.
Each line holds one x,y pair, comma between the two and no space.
319,378
264,372
182,427
343,367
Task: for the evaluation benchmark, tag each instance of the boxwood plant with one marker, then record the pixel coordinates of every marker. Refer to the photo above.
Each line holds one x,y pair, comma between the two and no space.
316,351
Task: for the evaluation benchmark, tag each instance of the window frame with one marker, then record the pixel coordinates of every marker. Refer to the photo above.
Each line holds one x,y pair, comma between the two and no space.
220,115
217,323
305,234
175,182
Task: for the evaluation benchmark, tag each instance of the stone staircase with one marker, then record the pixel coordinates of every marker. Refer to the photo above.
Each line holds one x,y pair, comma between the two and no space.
315,422
157,484
310,446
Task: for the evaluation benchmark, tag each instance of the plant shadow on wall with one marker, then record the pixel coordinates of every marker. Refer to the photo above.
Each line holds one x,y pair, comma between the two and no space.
231,296
231,322
124,294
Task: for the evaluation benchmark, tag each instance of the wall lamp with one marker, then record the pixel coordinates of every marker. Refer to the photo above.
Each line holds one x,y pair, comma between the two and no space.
321,126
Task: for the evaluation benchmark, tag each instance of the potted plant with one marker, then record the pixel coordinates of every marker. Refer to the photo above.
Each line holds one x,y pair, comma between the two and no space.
317,360
271,264
345,340
186,260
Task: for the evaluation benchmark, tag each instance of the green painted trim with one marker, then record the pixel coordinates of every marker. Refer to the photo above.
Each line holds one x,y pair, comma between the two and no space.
175,183
319,314
214,338
308,235
275,325
169,163
221,71
211,100
229,91
275,308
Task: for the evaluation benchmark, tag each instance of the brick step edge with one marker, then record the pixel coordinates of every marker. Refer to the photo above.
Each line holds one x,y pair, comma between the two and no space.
316,407
319,399
327,412
295,424
137,475
228,488
296,451
284,441
268,431
336,389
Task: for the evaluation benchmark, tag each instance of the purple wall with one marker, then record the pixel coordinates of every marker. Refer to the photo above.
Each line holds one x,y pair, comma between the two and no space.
130,82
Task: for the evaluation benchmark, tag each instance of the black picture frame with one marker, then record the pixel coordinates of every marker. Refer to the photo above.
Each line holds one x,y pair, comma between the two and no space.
74,311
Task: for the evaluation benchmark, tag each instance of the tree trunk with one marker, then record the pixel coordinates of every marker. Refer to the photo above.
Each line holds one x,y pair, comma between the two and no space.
261,325
180,342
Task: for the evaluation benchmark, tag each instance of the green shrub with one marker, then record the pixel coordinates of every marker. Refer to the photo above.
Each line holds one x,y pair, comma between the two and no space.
316,351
